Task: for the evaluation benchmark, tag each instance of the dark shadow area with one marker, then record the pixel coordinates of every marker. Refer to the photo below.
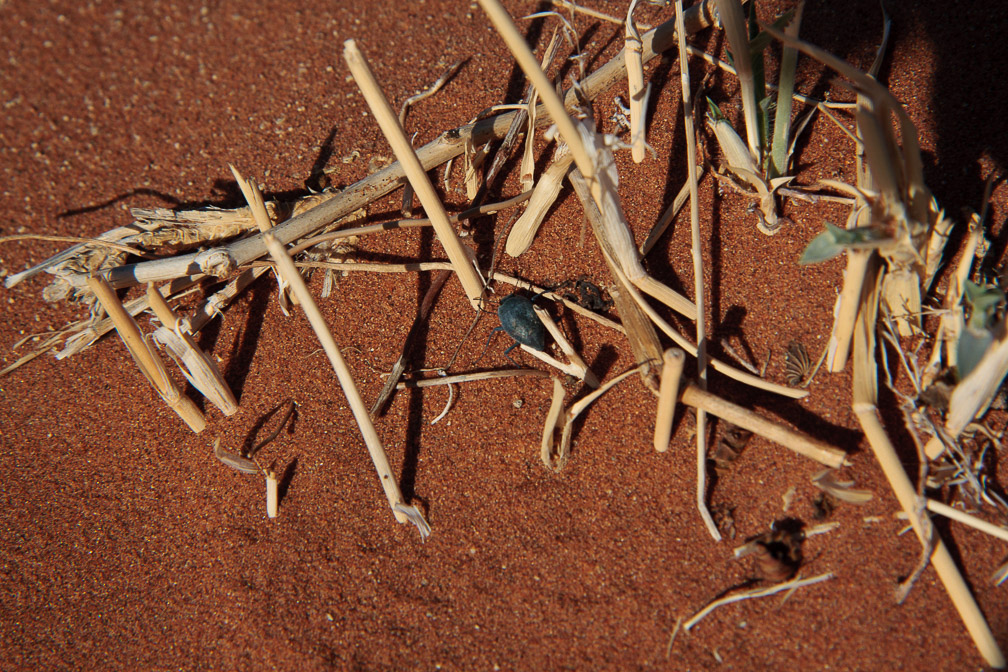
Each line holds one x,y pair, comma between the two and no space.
317,177
967,88
607,357
285,480
169,200
243,349
793,412
415,358
731,328
282,415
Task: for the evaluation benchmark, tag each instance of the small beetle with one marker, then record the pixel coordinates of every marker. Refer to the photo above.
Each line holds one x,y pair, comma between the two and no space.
519,321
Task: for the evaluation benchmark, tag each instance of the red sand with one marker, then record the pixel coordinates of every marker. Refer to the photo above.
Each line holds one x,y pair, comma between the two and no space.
126,545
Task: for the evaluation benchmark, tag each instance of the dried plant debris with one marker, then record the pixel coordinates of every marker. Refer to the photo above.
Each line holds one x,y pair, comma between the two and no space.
730,447
823,505
797,363
843,490
724,517
778,551
585,293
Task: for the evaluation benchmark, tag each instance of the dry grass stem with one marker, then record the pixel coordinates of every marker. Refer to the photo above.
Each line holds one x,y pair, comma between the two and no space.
716,364
543,196
219,261
551,450
966,519
668,394
400,509
698,279
198,368
578,407
640,332
95,242
472,377
670,212
793,440
285,268
635,82
751,594
146,358
865,394
272,495
587,375
506,28
459,256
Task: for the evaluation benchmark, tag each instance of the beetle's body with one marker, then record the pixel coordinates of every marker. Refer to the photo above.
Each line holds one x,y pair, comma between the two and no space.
519,321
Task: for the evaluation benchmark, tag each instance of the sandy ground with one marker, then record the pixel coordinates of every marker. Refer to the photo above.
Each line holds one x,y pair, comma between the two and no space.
125,544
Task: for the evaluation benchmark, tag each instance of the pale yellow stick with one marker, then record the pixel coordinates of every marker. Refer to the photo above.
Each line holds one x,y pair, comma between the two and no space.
357,406
554,105
587,376
865,394
272,495
404,152
746,419
698,280
148,361
570,369
285,267
635,84
202,372
668,393
941,559
553,422
966,519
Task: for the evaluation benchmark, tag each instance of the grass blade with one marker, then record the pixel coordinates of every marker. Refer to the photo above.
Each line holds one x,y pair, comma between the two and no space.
782,120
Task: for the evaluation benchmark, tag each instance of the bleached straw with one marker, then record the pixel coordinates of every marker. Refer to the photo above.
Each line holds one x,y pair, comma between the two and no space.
668,394
460,258
286,269
399,507
698,280
966,519
635,84
148,361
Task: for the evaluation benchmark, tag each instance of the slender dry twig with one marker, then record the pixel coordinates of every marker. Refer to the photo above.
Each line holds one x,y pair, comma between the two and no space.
96,242
461,258
146,358
751,594
285,267
668,394
219,261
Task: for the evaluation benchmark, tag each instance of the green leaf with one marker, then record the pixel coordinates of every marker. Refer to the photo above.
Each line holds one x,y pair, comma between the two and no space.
970,349
714,111
835,240
823,247
761,40
984,302
785,92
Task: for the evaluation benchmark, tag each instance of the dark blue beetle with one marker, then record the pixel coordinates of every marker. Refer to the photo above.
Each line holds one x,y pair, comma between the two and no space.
519,321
